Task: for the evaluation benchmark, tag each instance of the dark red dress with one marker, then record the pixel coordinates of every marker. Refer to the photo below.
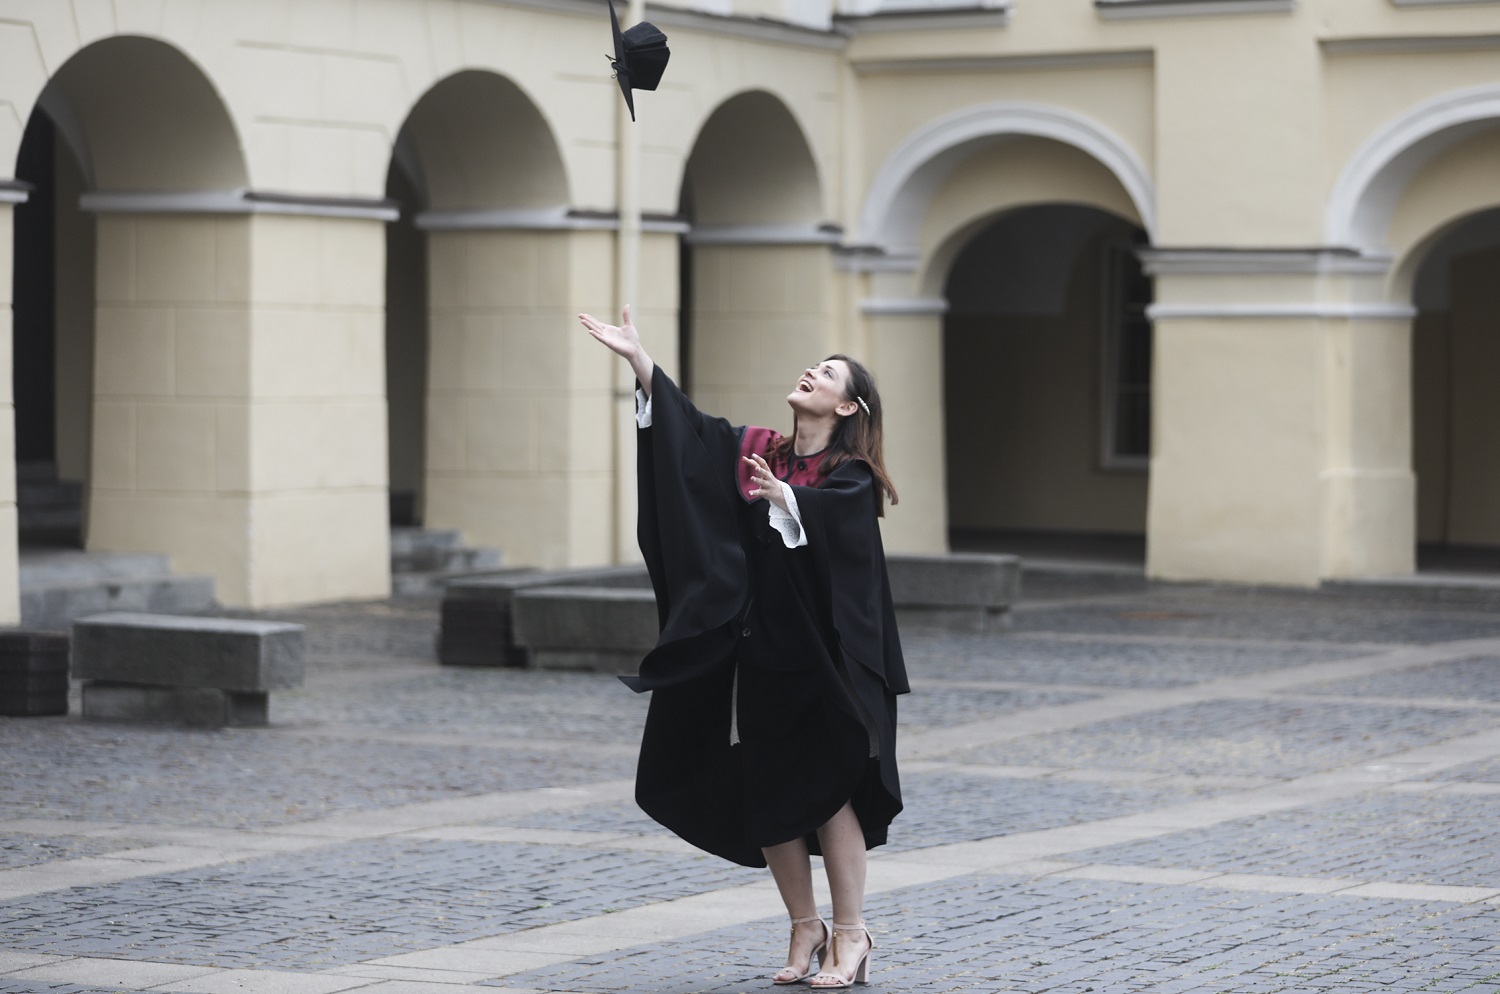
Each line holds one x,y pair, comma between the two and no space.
774,682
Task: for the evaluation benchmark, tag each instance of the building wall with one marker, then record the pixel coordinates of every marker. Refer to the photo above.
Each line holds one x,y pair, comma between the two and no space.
239,395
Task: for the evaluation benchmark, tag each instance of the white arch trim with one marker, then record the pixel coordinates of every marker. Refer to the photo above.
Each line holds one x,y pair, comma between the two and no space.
906,183
1364,198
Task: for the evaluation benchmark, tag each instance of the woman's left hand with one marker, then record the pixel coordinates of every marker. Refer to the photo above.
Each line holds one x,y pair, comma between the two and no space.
766,484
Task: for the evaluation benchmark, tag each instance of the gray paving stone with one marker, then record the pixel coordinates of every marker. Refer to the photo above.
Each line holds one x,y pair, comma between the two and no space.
1241,737
65,768
989,934
1473,679
349,903
30,849
1390,837
1036,657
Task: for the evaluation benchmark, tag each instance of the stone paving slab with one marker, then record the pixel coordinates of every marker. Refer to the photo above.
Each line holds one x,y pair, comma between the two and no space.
1475,679
66,768
348,903
1004,933
1042,657
1394,837
31,849
1256,737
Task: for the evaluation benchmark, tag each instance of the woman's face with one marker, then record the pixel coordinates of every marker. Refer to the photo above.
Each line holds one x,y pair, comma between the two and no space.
820,390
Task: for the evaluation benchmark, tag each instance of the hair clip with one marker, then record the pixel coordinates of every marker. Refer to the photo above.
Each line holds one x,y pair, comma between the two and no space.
864,405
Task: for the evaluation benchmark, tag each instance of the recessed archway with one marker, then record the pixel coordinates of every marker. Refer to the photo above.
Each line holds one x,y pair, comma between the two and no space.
1047,382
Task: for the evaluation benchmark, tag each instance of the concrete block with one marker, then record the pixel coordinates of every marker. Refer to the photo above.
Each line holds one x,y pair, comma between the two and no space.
585,628
219,653
33,673
476,614
955,592
179,705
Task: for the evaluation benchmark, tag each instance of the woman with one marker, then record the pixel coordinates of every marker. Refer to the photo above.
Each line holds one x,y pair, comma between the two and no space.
771,733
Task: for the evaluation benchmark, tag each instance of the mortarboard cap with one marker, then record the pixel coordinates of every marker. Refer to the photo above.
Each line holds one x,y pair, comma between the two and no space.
640,57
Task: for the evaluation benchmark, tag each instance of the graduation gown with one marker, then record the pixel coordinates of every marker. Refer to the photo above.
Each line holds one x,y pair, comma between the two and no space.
775,678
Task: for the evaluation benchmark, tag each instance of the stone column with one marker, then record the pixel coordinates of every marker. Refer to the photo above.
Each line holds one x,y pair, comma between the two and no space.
10,597
239,415
519,425
1281,414
905,352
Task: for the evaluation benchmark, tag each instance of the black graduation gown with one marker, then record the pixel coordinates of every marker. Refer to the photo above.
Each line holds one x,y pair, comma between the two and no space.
795,649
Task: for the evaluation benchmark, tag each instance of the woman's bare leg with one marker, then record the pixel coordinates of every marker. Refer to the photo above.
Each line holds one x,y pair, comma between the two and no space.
792,870
843,844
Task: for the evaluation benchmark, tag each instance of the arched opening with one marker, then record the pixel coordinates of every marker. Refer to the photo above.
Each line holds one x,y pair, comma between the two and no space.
1456,396
754,306
1047,384
475,290
125,115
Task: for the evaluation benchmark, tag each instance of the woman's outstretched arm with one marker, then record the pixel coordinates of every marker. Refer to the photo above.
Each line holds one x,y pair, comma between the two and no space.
624,341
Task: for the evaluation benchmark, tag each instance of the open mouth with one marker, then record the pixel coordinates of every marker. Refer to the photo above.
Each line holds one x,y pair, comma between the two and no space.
804,386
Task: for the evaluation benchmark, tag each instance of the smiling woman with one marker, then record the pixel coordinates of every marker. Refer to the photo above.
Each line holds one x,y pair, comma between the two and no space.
772,728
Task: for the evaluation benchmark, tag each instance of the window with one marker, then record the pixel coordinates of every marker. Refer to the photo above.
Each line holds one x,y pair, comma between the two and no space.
1126,401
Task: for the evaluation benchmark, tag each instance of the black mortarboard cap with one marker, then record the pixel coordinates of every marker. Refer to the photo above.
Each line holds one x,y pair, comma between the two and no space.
640,57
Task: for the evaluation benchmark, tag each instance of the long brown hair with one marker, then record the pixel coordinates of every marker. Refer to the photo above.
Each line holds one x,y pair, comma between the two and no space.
858,436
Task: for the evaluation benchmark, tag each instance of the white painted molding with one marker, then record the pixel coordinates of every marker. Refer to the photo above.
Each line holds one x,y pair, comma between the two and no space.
952,19
1126,10
556,218
863,259
1260,262
1309,309
763,234
1365,196
235,202
14,191
1411,44
904,306
1003,63
1443,3
900,192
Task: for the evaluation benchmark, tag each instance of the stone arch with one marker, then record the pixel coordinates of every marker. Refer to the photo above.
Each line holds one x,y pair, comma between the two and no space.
140,115
1368,192
752,164
477,141
896,204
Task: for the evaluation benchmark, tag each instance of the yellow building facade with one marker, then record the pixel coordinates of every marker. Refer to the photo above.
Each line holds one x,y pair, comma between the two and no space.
1214,272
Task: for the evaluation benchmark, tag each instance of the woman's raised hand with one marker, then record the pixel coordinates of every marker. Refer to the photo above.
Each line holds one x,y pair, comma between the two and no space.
621,339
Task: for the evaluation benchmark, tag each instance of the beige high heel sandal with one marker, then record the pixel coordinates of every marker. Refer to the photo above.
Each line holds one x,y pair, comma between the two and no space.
861,974
819,952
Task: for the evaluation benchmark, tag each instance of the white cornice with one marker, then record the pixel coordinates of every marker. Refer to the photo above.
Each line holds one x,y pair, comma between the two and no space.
1003,63
1411,44
952,19
754,28
763,234
235,202
14,191
904,306
1260,262
557,218
1443,3
1122,10
1283,311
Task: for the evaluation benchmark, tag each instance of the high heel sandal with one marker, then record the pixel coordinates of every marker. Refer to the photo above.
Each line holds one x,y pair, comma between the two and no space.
861,973
820,951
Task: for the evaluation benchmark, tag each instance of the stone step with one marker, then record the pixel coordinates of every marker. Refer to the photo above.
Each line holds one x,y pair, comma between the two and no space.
57,605
409,541
459,560
48,567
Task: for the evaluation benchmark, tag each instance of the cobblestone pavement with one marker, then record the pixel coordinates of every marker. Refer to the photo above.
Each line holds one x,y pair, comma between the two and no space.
1163,788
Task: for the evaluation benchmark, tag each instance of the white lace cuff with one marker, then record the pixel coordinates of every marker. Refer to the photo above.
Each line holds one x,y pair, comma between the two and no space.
642,409
788,522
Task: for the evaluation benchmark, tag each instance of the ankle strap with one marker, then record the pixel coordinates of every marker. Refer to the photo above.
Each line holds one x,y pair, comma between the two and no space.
848,928
803,921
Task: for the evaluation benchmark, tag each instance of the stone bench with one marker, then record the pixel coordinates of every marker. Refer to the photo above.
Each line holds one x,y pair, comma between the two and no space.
581,625
196,670
476,627
960,591
584,628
